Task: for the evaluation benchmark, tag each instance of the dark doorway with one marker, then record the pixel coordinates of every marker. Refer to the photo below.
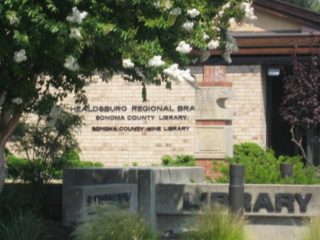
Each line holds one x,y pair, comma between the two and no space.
278,131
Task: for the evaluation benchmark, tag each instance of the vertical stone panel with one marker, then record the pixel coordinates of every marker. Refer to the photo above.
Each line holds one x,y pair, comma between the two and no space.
213,139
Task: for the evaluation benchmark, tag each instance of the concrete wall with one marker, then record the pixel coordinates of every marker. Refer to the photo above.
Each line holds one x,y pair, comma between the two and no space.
174,212
135,187
169,197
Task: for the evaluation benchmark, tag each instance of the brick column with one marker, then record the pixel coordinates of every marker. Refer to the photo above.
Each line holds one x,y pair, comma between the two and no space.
213,140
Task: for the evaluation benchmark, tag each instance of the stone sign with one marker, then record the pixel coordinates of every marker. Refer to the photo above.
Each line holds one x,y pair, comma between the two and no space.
279,211
131,188
81,199
260,200
168,197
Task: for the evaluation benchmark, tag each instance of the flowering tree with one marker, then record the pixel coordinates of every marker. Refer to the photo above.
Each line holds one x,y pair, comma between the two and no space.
50,48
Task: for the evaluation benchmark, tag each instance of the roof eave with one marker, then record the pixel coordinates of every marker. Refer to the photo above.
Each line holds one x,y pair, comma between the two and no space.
289,11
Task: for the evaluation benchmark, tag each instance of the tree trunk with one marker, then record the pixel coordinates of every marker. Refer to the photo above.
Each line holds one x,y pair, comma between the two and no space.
3,167
6,130
313,147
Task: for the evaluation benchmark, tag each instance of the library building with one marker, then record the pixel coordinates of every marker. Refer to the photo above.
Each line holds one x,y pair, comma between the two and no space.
227,104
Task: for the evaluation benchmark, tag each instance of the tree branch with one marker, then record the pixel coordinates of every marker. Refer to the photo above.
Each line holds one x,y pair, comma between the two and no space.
9,127
300,145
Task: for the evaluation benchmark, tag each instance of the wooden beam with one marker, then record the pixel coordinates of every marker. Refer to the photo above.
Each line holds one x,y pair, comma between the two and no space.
254,60
277,41
268,51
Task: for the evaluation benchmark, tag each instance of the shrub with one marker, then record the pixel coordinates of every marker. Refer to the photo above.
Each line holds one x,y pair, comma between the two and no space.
262,166
44,140
180,161
314,230
114,224
16,198
17,167
301,174
217,223
24,226
28,171
71,158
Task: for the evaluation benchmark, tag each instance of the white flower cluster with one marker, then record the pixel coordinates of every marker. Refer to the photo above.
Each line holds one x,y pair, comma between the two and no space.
13,18
156,61
77,16
188,26
213,44
176,11
20,56
184,47
193,13
215,28
127,63
175,73
17,101
224,7
232,21
71,63
249,11
157,4
166,4
205,37
75,33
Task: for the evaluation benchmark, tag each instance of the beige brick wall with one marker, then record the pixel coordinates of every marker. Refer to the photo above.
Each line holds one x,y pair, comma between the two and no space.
144,147
248,104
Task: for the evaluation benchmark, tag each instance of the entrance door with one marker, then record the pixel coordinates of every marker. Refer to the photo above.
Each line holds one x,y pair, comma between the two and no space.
278,131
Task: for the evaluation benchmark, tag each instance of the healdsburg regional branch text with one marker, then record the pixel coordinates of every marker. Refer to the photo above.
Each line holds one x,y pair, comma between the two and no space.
133,108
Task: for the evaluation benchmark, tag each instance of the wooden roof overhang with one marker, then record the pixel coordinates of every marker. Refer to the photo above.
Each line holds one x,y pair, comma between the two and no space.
270,48
276,44
276,47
